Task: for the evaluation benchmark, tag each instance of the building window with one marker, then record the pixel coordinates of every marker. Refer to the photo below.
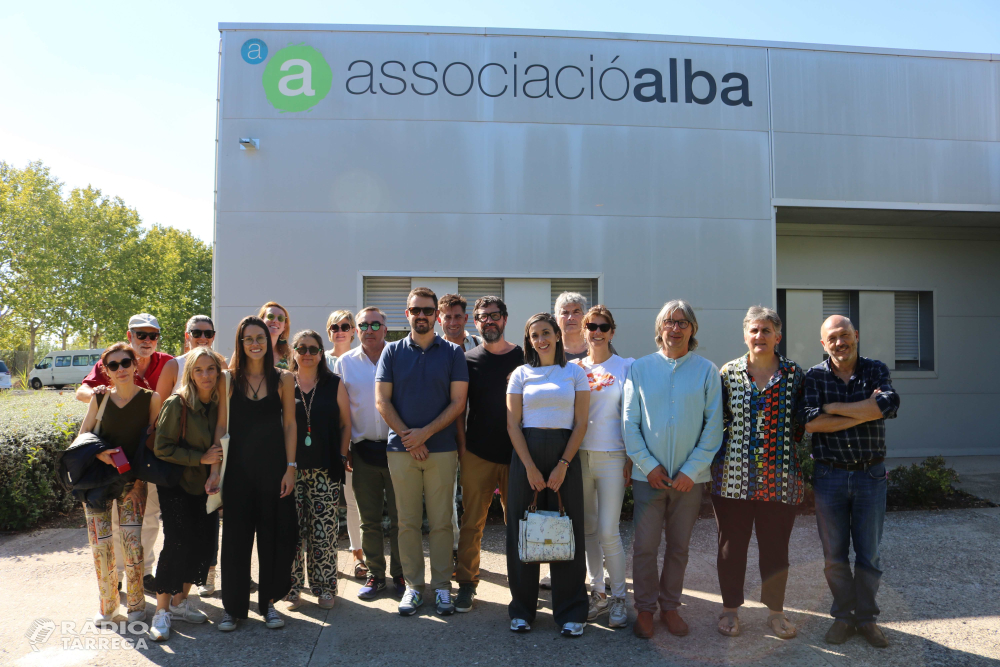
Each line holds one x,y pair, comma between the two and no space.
914,331
474,288
389,293
585,286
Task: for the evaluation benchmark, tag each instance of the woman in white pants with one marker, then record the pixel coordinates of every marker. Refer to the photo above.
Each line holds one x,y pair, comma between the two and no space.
340,327
606,468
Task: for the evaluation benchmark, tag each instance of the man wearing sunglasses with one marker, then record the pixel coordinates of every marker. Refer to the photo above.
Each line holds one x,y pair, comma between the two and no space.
421,385
143,335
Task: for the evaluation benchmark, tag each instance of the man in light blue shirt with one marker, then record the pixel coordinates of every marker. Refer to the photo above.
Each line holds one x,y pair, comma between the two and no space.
672,421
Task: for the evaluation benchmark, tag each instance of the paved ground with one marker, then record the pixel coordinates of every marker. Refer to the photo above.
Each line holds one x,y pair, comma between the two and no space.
939,602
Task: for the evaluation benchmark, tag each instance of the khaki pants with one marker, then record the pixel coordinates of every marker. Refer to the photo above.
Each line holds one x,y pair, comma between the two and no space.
479,479
417,482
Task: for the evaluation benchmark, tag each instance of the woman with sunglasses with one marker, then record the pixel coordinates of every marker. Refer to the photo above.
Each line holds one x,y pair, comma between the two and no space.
279,325
198,332
130,412
547,404
260,478
606,468
340,330
323,428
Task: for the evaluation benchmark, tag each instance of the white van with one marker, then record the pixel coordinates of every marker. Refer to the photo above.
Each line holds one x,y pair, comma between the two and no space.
62,367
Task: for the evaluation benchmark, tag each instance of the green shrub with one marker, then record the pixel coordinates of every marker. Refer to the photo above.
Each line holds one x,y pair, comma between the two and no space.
923,484
34,428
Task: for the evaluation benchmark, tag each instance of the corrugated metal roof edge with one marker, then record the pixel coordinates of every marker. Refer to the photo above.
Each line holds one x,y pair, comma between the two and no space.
579,34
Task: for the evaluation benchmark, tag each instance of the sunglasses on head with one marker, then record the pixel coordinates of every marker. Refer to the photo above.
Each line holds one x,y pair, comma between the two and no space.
427,311
113,366
496,316
143,335
593,326
374,326
198,333
343,326
307,349
271,317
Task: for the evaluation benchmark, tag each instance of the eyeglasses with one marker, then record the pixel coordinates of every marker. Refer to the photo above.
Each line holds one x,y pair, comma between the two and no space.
143,335
374,326
427,311
270,317
679,324
259,340
496,316
113,366
198,333
343,326
307,349
593,326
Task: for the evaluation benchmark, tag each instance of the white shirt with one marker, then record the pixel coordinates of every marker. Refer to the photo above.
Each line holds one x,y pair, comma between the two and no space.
180,372
357,372
548,394
604,428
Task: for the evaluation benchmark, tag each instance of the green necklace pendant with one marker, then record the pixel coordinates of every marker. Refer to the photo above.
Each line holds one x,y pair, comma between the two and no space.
309,440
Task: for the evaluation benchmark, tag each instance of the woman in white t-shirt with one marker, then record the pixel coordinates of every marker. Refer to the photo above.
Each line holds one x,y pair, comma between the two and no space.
606,469
547,402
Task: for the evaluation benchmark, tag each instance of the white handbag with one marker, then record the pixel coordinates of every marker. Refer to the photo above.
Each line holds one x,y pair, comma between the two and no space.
545,536
215,500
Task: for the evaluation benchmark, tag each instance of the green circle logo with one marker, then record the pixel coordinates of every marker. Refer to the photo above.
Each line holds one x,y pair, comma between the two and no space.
296,78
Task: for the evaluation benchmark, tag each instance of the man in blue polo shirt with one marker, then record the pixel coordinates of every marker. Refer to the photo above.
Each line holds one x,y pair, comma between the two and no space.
421,385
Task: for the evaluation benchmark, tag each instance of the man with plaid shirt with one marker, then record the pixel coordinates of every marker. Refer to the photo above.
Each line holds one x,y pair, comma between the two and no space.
846,401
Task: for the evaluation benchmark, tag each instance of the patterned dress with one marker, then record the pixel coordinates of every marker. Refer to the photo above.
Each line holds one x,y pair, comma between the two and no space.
758,459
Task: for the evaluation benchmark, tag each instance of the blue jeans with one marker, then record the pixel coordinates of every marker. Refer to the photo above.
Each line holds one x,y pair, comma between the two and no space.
850,506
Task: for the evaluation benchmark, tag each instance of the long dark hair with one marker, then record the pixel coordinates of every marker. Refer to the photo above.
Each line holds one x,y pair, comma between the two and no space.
323,372
530,355
240,359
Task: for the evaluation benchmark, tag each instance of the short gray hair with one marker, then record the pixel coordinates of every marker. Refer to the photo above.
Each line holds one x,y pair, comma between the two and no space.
688,310
370,309
570,297
761,313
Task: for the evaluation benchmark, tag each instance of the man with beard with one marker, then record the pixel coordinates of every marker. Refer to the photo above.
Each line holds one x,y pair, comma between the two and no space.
421,385
483,444
847,399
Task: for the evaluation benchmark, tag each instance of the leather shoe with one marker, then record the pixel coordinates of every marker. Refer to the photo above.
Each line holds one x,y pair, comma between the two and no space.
675,624
643,626
874,635
839,632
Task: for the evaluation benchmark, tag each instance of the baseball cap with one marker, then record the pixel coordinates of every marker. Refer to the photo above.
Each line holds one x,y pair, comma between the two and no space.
143,320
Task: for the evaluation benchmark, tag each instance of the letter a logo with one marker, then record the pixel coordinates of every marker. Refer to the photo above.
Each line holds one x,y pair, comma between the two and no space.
296,78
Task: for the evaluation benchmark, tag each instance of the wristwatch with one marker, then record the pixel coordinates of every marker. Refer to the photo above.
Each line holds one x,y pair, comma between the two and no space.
293,464
343,458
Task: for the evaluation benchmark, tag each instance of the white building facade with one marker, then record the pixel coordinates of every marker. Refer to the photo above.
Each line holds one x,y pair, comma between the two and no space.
354,162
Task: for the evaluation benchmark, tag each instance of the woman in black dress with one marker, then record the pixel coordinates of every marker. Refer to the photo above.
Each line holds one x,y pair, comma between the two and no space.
260,478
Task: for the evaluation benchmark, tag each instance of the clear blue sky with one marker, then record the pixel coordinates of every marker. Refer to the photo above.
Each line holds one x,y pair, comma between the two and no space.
121,95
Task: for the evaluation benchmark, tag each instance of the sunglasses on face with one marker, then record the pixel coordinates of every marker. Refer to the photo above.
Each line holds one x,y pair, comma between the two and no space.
428,311
680,324
374,326
343,326
593,326
496,316
142,335
270,317
113,366
250,340
307,349
198,333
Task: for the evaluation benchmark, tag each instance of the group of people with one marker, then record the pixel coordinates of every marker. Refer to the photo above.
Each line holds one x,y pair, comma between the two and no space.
559,422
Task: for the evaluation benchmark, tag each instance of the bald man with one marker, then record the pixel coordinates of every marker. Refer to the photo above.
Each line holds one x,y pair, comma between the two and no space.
847,399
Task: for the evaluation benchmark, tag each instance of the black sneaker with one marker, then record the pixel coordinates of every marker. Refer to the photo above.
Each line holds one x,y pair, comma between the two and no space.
372,588
466,594
149,583
839,632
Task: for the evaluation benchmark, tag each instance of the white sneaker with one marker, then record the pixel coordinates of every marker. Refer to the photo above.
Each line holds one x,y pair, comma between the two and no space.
598,605
209,588
519,625
186,611
100,619
619,613
137,616
572,629
160,630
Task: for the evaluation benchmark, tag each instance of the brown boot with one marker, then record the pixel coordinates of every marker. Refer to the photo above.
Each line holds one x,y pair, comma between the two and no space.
674,622
643,626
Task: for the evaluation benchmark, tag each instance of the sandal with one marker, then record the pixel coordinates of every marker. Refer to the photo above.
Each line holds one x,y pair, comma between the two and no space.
783,629
360,570
729,624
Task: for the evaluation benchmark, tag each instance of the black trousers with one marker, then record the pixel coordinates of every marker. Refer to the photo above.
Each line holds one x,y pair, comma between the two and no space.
737,519
569,578
190,539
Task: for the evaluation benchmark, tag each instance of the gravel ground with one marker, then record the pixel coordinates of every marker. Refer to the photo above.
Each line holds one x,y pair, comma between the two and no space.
938,597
